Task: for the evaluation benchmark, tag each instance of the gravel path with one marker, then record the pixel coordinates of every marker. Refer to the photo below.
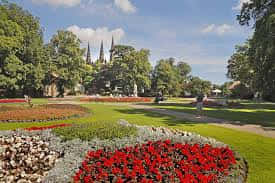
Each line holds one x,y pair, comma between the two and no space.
256,129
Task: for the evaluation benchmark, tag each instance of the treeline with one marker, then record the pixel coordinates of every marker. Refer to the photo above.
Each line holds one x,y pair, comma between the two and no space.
253,63
28,65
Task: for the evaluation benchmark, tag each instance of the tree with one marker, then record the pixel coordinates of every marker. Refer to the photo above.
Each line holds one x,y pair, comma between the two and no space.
67,62
262,44
225,88
183,70
197,86
169,78
129,68
21,51
239,66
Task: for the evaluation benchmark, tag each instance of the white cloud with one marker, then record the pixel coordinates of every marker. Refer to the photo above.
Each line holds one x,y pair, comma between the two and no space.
218,29
209,28
126,6
240,4
66,3
95,36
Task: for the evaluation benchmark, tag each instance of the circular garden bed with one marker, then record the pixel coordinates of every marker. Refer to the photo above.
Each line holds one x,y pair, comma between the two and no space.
151,155
41,113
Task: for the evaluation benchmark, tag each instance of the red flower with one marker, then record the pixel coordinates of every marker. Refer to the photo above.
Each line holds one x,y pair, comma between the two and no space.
47,127
157,162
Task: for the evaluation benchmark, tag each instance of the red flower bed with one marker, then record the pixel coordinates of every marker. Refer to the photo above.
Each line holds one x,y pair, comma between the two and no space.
117,99
12,100
41,112
47,127
160,161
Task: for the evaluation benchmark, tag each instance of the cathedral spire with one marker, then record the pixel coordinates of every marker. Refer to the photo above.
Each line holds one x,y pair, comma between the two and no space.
88,59
101,56
112,49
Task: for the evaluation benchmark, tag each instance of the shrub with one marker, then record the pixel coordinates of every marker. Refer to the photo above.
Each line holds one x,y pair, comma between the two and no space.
101,130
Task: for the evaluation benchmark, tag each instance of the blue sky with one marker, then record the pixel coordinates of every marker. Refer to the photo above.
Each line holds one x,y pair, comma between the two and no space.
201,33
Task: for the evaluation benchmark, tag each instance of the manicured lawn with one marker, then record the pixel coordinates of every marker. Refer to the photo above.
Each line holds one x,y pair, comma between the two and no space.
259,151
251,113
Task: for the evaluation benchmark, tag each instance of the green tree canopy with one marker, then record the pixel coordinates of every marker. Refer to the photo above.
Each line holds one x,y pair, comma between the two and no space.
170,78
21,51
197,86
67,63
131,67
261,54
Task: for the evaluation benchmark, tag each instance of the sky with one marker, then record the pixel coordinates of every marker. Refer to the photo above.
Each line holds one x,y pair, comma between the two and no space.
199,32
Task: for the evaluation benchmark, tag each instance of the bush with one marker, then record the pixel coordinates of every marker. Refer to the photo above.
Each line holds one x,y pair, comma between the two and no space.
101,130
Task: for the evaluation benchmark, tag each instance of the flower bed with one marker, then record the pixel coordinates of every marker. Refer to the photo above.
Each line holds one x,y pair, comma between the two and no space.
47,127
186,149
25,159
160,161
3,101
117,99
41,113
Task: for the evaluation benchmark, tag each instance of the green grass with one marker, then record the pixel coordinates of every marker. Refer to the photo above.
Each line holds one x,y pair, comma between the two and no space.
39,100
250,113
259,151
101,130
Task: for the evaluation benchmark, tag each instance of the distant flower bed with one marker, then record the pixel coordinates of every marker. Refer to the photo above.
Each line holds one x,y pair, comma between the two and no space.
159,161
117,99
41,113
47,127
12,101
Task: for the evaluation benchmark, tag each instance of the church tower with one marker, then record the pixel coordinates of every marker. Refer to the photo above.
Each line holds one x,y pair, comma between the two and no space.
112,49
101,55
88,59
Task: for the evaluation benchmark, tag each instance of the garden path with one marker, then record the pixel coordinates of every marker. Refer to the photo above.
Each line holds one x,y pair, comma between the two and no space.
257,129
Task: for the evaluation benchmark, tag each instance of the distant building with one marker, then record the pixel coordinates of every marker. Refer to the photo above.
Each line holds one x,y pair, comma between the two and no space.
101,57
89,59
112,50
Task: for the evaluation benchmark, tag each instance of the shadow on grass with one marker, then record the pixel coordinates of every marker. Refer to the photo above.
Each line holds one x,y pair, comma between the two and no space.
167,119
255,114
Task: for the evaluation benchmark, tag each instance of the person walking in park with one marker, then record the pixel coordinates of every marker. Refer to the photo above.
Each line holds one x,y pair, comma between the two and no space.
199,105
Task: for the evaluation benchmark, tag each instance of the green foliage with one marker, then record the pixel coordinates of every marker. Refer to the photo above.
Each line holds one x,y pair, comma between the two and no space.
21,51
101,130
169,78
225,89
239,67
67,63
241,91
197,86
128,67
261,53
